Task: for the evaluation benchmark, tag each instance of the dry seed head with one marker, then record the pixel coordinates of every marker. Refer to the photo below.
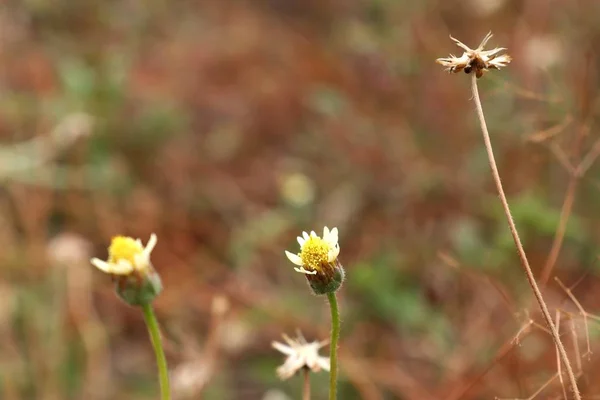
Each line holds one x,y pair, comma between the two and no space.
475,60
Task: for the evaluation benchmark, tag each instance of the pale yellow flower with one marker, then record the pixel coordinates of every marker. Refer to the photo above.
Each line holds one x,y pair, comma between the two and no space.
300,354
127,255
316,254
477,60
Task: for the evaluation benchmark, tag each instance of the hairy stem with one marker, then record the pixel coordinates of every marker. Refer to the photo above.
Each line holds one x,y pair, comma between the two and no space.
335,335
515,235
161,361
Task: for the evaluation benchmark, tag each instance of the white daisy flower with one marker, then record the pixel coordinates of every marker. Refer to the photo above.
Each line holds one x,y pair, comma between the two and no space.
315,253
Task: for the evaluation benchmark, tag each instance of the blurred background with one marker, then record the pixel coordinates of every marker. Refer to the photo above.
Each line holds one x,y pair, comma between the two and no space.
229,127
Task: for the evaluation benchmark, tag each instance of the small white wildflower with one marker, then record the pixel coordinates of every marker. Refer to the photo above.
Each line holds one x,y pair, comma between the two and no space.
315,252
477,60
126,255
300,354
136,281
318,261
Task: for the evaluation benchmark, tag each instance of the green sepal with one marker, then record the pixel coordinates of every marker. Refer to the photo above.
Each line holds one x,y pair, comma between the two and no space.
137,290
327,283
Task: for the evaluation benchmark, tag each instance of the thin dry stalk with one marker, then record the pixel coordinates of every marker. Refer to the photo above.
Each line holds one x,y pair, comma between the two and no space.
588,160
306,384
558,366
562,158
576,346
524,328
567,207
534,395
559,236
582,311
504,350
517,240
544,135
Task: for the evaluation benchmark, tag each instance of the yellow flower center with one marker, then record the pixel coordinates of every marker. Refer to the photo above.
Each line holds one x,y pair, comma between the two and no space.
124,248
314,253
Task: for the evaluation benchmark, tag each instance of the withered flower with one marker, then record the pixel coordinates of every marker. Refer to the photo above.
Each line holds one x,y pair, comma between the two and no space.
475,60
300,354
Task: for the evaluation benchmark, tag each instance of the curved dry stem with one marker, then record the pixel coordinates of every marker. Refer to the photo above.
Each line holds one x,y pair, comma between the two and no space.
513,230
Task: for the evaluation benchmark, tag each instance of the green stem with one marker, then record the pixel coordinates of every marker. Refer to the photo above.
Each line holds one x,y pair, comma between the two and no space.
161,360
335,335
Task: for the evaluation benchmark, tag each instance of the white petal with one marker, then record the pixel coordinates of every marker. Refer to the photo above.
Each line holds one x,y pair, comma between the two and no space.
323,363
122,267
325,233
301,241
283,373
313,234
101,265
305,235
287,350
151,244
293,258
141,261
333,237
290,367
300,338
293,364
333,253
291,342
305,271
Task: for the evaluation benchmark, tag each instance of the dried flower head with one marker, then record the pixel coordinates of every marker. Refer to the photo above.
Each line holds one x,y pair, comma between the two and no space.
318,260
137,283
477,60
300,354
